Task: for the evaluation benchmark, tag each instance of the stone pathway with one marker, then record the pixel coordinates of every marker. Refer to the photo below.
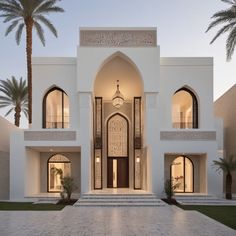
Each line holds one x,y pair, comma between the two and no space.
75,221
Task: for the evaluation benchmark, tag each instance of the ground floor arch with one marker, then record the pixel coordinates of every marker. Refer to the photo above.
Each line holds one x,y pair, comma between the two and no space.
59,166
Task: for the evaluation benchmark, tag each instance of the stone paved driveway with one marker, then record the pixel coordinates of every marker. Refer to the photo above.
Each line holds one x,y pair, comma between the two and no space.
163,221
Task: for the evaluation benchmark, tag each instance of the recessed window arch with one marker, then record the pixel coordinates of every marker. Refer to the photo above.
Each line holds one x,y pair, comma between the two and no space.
184,109
55,109
182,174
117,135
59,166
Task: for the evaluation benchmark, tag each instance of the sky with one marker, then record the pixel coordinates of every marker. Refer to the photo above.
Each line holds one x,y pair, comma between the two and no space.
181,26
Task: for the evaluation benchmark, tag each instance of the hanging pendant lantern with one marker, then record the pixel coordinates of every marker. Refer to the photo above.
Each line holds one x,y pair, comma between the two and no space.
118,98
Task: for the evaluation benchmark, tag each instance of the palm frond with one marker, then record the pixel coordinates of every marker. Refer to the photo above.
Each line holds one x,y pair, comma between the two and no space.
11,27
230,44
229,1
48,6
19,33
40,32
219,20
227,16
222,31
46,22
9,111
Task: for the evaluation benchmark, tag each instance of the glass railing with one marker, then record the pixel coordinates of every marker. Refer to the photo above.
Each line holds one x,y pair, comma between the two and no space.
182,125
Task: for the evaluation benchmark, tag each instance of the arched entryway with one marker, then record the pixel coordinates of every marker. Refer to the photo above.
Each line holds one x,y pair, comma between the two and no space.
182,174
118,129
117,152
59,166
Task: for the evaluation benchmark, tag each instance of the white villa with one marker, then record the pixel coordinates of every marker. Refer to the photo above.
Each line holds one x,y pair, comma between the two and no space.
119,116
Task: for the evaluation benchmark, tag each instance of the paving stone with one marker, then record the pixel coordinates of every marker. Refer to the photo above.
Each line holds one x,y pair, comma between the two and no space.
163,221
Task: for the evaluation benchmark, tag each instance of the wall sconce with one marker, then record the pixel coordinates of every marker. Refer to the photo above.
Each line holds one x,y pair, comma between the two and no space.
97,159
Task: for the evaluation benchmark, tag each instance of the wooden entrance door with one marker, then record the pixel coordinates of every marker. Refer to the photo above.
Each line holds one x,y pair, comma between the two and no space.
117,152
118,173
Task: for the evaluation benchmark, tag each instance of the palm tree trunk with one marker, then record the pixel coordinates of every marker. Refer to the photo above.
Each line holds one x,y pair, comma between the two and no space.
17,115
228,190
29,28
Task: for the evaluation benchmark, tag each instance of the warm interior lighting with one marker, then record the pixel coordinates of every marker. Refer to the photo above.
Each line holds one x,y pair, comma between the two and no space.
97,159
138,159
118,98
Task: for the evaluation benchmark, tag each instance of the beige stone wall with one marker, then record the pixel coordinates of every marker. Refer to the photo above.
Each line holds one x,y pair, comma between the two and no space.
75,169
4,175
225,107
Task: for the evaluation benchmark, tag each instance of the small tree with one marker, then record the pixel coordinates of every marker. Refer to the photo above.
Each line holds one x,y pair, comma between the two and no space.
169,189
227,166
68,187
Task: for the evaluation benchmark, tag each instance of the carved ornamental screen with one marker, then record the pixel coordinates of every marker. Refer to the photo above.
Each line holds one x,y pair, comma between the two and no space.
137,144
98,143
117,129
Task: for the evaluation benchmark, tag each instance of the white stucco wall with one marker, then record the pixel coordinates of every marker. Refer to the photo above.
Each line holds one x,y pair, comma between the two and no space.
197,75
6,129
161,77
17,166
32,174
54,72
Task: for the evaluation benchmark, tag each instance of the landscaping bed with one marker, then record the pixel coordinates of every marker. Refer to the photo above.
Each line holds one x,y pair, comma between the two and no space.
29,206
224,214
65,202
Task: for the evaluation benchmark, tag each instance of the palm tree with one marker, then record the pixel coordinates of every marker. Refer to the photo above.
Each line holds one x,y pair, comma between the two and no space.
227,166
29,14
15,96
228,18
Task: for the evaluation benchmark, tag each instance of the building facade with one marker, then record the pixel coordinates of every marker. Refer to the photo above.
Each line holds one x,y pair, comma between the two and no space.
119,116
225,108
6,129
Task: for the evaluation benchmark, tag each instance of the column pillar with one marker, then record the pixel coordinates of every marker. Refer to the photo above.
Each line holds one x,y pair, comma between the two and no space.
85,134
155,162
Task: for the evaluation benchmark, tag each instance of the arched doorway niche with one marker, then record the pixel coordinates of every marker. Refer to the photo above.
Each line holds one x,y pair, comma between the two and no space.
117,67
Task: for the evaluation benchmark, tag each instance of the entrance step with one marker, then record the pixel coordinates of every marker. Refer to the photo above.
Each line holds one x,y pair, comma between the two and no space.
103,200
204,200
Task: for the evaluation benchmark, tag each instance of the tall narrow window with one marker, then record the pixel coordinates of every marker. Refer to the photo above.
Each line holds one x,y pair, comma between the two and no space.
56,109
59,166
182,174
184,110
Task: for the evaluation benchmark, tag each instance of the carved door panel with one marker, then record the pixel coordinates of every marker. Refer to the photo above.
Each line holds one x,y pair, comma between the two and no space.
117,152
122,173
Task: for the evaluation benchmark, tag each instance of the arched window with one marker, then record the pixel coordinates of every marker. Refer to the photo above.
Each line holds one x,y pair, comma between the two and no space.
184,110
59,166
182,174
55,109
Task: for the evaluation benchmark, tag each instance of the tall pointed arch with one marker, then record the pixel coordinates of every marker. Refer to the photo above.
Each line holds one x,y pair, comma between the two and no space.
120,67
55,109
184,109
